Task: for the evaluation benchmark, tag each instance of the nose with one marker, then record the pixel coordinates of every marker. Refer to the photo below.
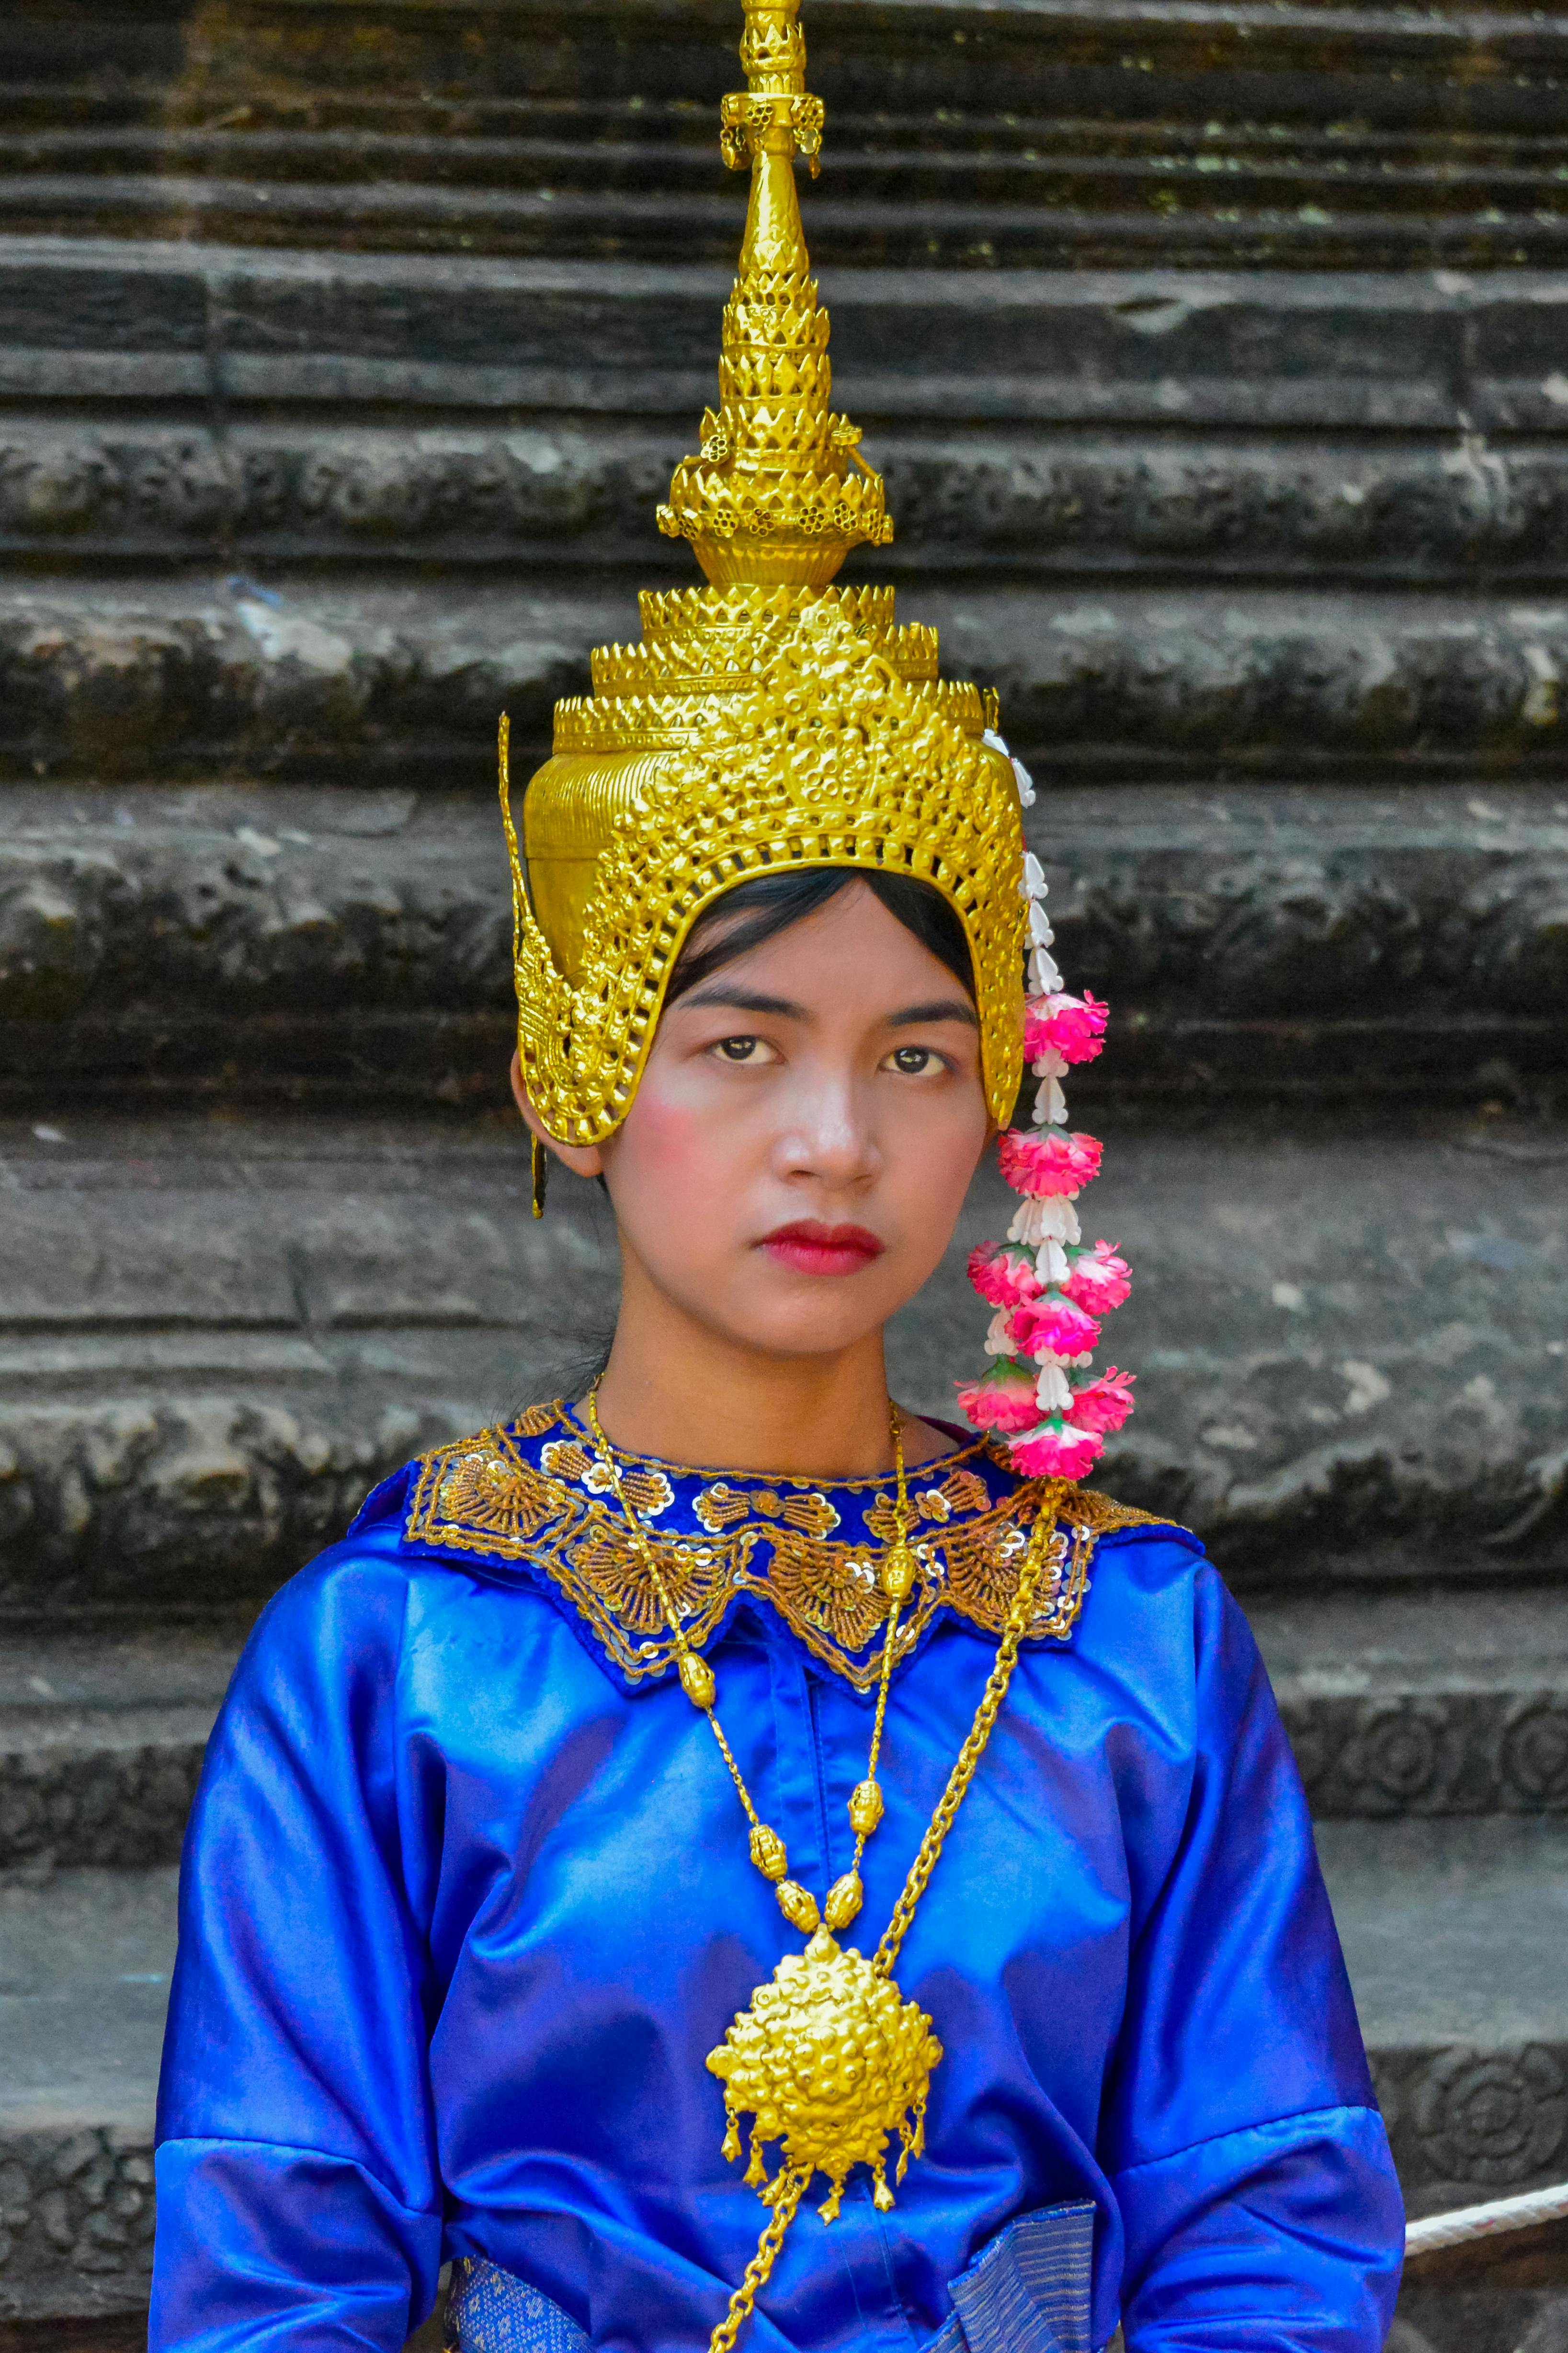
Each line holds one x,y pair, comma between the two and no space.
826,1133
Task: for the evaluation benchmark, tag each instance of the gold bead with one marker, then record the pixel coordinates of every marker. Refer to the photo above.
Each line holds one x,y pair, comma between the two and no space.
865,1807
898,1572
798,1905
697,1680
845,1898
768,1853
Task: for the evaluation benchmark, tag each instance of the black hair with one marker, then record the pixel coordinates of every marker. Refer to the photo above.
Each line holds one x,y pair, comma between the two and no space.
770,904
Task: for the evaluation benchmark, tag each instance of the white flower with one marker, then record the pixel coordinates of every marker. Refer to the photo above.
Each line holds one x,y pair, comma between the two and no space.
1033,884
1021,775
1053,1391
1050,1105
1040,931
999,1339
1035,1222
1045,980
1049,1065
1052,1263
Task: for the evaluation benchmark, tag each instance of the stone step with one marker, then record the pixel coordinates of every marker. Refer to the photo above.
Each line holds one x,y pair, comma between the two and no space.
85,1958
1424,1705
1374,430
1453,1932
1031,502
1053,211
337,945
218,1332
544,147
356,677
101,1736
280,333
1228,133
469,68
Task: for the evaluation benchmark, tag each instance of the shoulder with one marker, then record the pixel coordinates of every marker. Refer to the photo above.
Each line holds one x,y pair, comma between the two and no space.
488,1495
346,1611
1144,1546
1158,1614
1128,1558
1125,1528
1090,1541
456,1508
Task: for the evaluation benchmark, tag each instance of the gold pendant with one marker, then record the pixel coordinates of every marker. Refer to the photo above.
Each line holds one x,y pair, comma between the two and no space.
830,2060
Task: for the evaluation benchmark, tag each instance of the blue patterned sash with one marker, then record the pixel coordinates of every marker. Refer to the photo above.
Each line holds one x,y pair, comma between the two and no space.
1027,2292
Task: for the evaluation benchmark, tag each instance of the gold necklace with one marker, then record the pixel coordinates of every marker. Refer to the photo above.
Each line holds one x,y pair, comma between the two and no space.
830,2059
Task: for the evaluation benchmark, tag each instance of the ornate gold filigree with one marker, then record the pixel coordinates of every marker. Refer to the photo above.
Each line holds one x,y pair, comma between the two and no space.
568,1457
721,1506
535,1419
830,2060
483,1496
604,1563
961,1491
771,719
1099,1515
820,1588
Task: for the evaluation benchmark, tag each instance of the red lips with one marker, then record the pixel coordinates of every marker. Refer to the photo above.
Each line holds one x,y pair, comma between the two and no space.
812,1248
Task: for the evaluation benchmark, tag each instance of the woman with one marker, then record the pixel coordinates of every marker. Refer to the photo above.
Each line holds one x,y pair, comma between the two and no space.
728,1783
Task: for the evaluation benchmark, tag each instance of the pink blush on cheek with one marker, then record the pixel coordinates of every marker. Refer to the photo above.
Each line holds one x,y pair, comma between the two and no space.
669,1156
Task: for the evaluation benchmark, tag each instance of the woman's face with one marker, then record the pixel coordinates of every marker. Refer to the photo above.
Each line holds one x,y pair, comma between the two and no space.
803,1135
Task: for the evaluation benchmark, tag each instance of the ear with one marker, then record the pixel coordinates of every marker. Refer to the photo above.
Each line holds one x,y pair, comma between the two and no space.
583,1159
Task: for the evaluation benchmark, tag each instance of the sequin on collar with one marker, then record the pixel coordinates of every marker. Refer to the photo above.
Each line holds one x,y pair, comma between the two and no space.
533,1495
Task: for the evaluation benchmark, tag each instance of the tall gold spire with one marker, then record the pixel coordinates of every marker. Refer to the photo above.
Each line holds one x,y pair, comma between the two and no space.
771,500
769,718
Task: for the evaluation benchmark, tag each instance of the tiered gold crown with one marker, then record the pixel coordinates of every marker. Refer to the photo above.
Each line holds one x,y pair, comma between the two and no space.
767,719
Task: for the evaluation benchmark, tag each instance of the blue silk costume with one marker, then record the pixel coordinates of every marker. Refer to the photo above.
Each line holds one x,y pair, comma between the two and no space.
467,1902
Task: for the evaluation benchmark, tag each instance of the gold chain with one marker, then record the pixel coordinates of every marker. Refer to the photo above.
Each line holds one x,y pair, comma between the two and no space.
768,1851
973,1748
777,2044
786,2198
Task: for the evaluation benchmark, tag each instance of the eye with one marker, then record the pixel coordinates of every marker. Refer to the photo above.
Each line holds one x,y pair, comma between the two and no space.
754,1051
913,1061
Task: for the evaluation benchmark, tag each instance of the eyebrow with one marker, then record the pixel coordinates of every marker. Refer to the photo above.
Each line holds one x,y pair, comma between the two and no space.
748,1000
752,1000
940,1008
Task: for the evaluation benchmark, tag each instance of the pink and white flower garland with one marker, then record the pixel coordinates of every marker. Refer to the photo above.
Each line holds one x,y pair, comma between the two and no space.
1050,1288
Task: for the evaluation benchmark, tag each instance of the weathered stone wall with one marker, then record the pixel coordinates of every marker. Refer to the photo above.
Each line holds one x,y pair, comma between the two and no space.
1218,360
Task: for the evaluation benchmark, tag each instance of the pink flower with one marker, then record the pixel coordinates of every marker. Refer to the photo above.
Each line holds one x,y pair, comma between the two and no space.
1047,1163
1054,1450
1099,1281
1003,1399
1072,1027
1002,1278
1104,1404
1054,1324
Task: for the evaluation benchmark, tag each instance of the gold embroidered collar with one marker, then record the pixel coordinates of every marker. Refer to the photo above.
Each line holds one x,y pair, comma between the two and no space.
534,1494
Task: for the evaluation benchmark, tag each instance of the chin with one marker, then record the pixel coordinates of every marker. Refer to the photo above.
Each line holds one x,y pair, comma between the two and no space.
800,1327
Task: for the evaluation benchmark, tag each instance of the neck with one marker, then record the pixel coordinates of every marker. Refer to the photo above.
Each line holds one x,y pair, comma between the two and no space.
675,1389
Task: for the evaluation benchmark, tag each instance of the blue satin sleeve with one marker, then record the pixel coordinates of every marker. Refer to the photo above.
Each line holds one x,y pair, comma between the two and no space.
298,2199
1250,2164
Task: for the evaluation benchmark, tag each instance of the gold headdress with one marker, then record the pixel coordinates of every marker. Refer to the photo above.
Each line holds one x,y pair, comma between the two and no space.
767,719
